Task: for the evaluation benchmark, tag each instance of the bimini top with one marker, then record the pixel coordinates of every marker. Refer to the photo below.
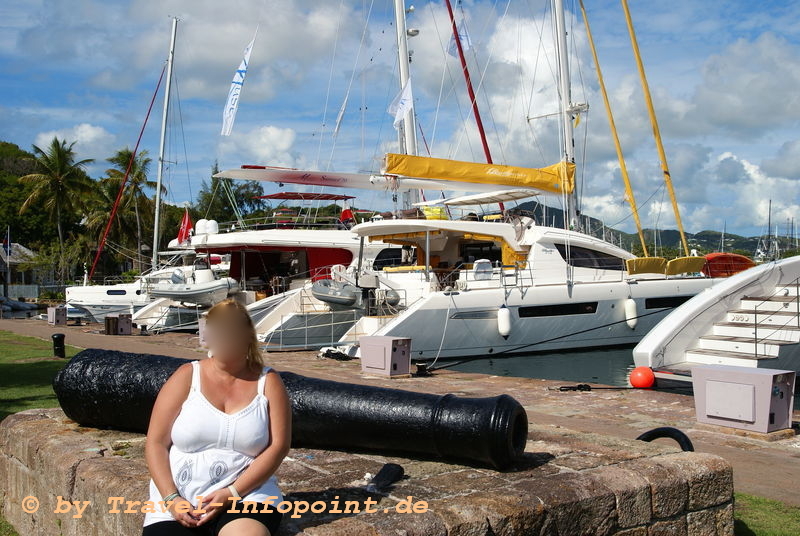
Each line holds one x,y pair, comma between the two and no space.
386,229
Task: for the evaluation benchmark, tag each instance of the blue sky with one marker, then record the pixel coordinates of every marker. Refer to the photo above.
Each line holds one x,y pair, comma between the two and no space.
724,78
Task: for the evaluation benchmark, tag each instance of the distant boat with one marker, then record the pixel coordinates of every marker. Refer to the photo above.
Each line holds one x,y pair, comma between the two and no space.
202,288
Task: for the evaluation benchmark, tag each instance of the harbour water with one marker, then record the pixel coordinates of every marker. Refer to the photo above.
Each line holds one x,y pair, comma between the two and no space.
603,366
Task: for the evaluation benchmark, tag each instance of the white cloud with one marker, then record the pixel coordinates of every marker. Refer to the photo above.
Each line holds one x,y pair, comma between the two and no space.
268,145
786,162
91,141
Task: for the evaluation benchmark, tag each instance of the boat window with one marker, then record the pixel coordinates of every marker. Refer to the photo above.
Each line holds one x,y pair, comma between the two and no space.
589,258
116,292
388,257
558,309
481,250
667,301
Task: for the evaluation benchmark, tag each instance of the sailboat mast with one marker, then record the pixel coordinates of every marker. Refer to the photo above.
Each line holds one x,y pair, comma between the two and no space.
408,133
162,143
565,104
654,122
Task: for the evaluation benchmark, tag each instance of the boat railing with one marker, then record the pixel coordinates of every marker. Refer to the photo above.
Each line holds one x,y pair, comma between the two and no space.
785,292
284,221
279,339
516,275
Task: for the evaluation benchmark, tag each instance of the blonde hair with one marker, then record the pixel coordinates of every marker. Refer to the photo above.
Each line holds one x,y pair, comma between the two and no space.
229,307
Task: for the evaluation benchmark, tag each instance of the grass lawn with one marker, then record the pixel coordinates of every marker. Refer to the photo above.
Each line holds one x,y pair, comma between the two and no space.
764,517
27,369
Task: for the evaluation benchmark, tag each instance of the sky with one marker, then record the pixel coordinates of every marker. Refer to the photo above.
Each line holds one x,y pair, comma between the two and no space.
724,77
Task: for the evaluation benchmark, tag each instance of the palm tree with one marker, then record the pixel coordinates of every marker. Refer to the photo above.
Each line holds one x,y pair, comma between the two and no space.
59,183
134,187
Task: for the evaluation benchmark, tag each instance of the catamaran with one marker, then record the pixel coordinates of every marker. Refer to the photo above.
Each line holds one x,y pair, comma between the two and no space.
501,285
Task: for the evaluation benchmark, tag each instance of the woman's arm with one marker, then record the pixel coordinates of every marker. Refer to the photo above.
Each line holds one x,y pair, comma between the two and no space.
265,464
165,410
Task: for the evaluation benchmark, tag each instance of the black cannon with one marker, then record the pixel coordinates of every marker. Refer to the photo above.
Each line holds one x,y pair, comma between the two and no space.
108,389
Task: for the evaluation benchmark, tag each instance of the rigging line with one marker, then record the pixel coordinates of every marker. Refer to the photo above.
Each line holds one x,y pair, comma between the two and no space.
451,91
383,117
350,84
125,178
183,137
419,125
213,193
646,201
330,81
540,31
483,76
438,105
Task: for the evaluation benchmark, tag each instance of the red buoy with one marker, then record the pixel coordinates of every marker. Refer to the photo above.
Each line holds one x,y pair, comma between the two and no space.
642,378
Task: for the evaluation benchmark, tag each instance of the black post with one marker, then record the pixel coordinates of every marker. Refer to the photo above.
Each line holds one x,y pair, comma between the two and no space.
58,345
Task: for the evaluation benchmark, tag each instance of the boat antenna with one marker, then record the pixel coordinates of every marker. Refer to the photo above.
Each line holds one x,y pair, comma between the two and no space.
162,143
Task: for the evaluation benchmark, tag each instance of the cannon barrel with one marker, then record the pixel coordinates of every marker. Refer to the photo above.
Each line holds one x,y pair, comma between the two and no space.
109,389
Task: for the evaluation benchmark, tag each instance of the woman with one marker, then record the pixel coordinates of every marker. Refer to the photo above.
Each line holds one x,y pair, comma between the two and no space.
219,429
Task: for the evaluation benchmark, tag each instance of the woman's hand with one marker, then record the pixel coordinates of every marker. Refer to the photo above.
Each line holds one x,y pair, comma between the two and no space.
220,496
182,512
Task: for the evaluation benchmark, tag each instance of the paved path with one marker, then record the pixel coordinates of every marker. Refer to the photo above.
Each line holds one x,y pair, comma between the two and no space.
760,468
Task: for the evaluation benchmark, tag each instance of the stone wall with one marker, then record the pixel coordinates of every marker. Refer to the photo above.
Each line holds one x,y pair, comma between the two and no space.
569,483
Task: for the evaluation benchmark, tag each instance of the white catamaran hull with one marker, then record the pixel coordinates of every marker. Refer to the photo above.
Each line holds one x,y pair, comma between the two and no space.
459,324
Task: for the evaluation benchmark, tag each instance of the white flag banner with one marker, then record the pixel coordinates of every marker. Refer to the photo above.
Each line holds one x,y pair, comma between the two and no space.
341,115
463,36
402,103
231,105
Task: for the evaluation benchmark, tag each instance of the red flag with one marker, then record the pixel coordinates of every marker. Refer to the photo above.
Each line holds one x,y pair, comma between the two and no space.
347,214
186,227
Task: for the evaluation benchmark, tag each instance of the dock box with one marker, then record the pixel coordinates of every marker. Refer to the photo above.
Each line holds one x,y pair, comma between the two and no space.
57,316
124,324
119,324
754,399
386,356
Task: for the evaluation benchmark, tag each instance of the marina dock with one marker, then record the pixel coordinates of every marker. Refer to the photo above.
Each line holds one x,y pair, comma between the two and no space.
582,462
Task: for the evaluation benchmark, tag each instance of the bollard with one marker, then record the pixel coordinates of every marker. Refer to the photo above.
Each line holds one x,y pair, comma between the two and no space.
58,345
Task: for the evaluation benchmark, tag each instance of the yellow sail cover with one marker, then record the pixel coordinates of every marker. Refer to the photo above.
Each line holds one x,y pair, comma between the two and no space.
558,178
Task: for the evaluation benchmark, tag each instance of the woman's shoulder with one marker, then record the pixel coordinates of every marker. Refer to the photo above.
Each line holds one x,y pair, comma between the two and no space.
183,375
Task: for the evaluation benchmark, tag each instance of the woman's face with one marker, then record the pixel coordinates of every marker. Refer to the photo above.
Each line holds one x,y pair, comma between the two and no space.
227,338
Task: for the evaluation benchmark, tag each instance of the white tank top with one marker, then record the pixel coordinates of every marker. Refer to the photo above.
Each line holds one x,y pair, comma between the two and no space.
211,448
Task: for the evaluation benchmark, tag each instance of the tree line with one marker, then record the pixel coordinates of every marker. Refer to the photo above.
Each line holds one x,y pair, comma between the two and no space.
56,209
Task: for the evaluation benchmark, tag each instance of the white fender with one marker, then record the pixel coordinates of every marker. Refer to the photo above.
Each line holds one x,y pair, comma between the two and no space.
504,321
631,313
